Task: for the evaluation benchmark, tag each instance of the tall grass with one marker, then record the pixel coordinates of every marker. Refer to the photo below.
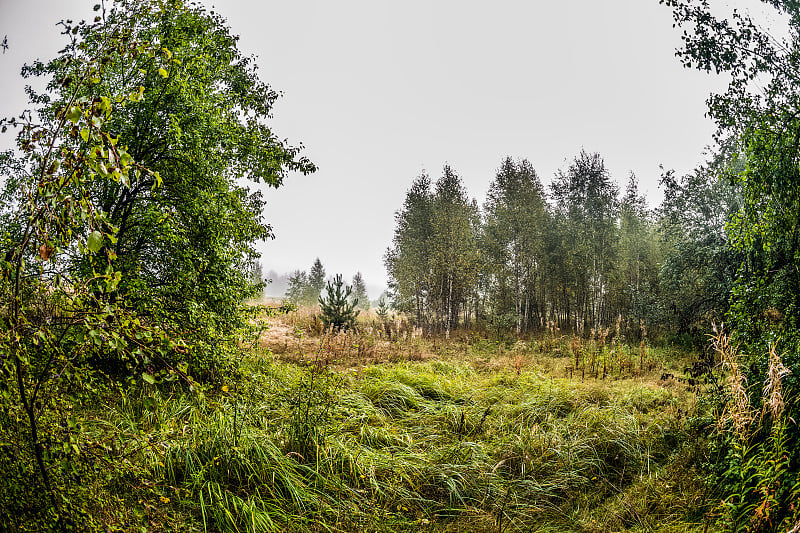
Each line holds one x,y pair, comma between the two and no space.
477,438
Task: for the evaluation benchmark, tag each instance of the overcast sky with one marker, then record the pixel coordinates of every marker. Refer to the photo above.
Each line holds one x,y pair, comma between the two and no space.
379,91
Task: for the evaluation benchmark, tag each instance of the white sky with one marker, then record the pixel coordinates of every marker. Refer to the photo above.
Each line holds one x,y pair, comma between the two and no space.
379,90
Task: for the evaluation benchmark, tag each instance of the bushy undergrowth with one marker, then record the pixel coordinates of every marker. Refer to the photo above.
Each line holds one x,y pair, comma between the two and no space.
478,438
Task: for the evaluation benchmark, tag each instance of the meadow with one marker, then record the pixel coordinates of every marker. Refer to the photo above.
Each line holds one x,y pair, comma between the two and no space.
379,429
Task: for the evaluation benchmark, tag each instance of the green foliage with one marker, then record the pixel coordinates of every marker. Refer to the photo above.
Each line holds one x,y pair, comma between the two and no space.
126,242
304,287
763,122
454,250
184,231
755,468
407,260
383,309
760,111
316,282
516,218
586,261
636,283
700,266
298,281
434,264
586,207
60,283
360,292
338,309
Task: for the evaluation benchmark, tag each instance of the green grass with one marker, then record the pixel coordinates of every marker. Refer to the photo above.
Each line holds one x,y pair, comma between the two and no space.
475,436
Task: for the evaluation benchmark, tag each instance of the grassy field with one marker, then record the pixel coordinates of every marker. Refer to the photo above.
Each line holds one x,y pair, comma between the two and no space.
386,431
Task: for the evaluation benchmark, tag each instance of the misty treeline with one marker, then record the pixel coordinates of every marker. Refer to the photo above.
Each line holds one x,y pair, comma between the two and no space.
305,287
583,254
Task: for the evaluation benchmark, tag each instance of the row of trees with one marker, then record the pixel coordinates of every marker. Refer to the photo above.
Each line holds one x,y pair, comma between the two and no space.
305,287
575,257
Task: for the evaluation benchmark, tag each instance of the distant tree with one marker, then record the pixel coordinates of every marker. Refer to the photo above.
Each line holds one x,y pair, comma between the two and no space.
513,243
434,264
454,250
298,287
316,282
338,308
360,292
383,308
586,203
408,261
635,292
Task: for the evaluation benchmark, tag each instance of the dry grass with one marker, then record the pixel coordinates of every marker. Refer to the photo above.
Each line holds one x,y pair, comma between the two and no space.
598,364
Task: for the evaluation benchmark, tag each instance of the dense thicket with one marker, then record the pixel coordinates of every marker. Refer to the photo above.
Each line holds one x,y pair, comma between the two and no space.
184,231
759,457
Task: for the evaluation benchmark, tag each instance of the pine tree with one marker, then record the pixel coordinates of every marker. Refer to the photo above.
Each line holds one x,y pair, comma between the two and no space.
360,292
316,282
338,309
383,308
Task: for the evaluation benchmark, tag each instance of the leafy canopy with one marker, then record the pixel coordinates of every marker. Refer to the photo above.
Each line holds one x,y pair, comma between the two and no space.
761,110
125,232
184,232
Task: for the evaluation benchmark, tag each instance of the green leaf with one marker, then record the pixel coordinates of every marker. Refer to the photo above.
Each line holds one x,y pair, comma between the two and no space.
148,378
74,114
95,241
163,72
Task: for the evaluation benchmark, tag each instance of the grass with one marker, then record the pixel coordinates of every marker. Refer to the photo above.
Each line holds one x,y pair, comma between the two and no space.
385,431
